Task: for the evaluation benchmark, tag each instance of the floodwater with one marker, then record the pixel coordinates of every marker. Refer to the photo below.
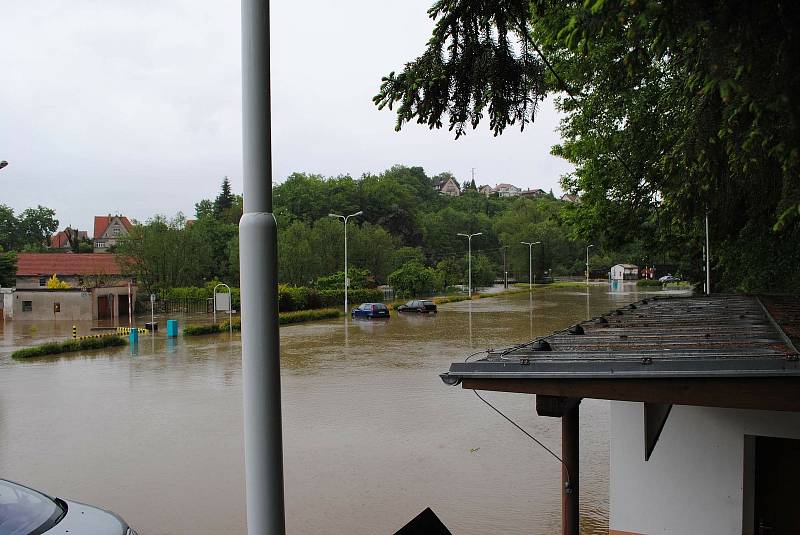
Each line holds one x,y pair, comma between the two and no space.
371,434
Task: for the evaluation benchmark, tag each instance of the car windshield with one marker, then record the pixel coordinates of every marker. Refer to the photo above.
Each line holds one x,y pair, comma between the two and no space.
24,511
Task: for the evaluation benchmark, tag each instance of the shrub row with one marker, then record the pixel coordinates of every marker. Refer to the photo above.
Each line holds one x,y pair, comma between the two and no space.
292,298
55,348
284,318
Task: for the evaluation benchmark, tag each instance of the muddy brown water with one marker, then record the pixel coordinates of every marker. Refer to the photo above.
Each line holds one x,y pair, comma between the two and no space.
371,434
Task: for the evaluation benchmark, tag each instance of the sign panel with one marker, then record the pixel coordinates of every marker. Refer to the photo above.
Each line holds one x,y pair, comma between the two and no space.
222,301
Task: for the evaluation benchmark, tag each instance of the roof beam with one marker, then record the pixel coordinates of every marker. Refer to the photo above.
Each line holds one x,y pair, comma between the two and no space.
765,393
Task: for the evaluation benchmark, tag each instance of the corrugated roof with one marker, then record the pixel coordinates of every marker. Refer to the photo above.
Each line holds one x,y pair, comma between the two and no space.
38,264
710,336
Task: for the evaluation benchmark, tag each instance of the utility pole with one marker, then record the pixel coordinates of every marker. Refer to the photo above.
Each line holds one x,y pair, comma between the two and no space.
346,274
258,261
587,264
708,259
469,242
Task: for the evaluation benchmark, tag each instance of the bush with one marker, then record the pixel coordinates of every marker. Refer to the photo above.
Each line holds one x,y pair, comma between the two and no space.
55,348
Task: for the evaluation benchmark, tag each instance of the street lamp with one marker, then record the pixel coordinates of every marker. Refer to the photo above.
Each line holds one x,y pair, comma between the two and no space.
3,164
505,268
530,261
587,263
346,277
469,241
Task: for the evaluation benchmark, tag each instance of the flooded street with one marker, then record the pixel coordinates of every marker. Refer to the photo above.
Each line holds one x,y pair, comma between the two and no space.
371,434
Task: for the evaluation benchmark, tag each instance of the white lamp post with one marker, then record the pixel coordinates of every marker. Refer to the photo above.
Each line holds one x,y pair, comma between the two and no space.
469,242
530,261
587,263
346,274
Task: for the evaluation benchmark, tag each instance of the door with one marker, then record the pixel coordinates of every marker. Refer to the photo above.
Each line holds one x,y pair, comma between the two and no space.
105,305
776,478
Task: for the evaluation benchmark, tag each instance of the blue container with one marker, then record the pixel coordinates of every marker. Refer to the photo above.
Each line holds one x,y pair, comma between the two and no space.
172,328
133,338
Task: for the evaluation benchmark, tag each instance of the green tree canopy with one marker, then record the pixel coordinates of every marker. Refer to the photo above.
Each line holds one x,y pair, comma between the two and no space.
672,110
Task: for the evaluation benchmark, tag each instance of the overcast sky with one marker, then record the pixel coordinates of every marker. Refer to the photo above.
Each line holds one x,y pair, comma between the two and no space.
134,106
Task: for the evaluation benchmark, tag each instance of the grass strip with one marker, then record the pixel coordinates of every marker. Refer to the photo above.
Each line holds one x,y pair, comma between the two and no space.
55,348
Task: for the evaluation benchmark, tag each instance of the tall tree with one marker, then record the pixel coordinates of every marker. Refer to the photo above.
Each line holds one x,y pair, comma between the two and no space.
35,226
673,110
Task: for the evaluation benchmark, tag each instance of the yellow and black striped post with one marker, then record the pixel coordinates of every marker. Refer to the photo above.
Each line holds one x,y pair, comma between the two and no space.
74,332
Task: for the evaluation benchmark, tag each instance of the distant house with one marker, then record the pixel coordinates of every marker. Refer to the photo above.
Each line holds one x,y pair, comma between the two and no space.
486,190
624,272
569,197
533,193
97,288
60,240
108,230
507,190
446,185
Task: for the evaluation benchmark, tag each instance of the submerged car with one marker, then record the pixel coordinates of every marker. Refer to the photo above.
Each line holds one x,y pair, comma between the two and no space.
371,311
669,278
418,305
25,511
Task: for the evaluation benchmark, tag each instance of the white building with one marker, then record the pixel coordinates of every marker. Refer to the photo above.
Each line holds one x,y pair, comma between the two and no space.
624,272
705,411
506,190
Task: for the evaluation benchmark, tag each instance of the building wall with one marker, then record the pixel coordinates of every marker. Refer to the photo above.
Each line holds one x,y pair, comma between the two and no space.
116,230
73,305
694,479
450,188
33,282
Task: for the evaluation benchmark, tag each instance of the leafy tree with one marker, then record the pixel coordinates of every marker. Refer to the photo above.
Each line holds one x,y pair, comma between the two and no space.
484,271
673,110
35,226
414,279
359,278
404,255
8,269
162,253
8,228
451,272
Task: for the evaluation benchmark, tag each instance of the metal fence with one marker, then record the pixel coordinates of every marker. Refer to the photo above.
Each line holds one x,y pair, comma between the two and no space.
182,305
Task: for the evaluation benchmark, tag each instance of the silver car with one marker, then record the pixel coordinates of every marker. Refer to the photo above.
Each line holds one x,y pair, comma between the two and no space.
24,511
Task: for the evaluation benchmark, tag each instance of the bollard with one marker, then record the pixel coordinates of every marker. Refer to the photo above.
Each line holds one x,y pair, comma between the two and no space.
172,328
74,332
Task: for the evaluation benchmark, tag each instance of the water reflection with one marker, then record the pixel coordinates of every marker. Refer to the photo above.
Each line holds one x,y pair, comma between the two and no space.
371,434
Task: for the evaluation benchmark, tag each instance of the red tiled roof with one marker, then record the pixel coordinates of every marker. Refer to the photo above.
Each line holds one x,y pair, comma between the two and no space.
101,223
59,240
37,264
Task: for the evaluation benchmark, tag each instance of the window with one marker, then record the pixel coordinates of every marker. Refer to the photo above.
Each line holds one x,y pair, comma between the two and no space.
116,231
100,244
42,281
27,306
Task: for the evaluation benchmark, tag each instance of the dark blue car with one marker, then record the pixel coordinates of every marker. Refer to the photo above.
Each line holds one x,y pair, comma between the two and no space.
371,311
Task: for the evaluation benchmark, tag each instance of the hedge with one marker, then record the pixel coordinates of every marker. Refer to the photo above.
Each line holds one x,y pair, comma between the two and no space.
335,298
55,348
284,318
